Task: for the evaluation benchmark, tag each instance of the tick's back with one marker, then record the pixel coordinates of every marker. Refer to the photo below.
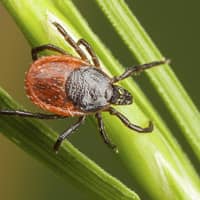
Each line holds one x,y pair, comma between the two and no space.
45,83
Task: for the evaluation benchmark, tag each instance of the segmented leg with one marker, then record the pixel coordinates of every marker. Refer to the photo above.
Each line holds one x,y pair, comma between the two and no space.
21,113
135,69
134,127
70,40
36,50
90,51
68,132
102,131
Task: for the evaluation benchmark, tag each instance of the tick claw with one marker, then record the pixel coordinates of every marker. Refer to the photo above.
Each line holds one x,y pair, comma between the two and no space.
150,127
57,145
115,149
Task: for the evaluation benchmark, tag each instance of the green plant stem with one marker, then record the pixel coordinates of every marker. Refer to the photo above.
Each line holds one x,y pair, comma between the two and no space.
154,161
164,79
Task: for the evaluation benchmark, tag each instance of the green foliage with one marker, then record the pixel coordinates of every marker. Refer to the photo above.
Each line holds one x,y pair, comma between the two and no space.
165,81
155,162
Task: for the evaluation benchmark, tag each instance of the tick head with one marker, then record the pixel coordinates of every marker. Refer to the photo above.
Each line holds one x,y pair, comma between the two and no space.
121,96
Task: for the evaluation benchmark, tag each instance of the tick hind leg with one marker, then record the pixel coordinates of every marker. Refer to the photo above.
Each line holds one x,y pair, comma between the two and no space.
70,40
102,131
130,125
22,113
90,51
36,50
67,133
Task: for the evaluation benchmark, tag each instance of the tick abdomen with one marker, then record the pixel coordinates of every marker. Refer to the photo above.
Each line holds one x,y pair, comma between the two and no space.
89,88
45,83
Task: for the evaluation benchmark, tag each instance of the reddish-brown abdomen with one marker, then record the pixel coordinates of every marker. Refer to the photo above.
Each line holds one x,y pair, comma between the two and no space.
45,83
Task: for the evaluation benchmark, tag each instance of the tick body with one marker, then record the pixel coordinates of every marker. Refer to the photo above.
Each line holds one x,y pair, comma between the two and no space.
75,86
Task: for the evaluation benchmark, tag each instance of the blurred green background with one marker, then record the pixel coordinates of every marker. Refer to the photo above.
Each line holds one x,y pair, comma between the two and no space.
175,28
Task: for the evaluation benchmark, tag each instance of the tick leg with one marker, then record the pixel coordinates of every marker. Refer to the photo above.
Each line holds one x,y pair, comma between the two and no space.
36,50
70,40
90,51
134,127
22,113
133,70
102,131
68,132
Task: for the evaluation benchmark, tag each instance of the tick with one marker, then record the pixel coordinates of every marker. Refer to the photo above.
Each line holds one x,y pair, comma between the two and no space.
76,86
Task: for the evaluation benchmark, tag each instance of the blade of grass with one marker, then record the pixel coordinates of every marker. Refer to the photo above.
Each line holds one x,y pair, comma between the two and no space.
164,79
155,160
37,139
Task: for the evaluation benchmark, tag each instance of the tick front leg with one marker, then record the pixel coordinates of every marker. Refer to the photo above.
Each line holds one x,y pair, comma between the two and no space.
90,51
36,50
134,127
103,133
22,113
67,133
135,69
70,40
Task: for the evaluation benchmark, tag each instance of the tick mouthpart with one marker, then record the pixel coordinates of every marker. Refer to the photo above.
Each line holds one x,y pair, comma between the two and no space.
121,96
